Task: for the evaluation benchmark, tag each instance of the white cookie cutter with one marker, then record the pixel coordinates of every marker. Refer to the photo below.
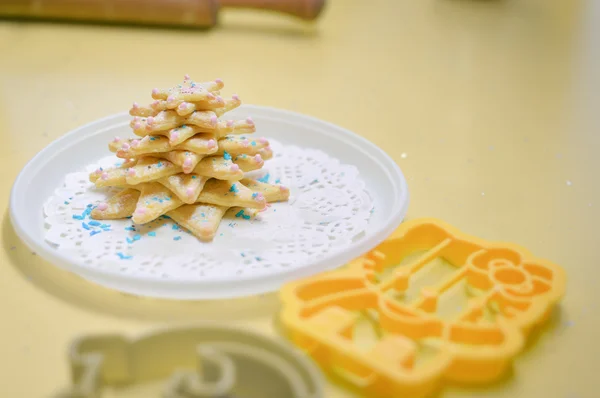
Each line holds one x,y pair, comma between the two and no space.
207,361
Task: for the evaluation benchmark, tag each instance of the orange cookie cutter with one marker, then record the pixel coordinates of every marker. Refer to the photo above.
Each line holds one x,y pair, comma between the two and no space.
466,327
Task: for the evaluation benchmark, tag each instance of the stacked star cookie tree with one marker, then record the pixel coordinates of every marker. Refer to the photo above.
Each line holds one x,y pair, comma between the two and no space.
187,162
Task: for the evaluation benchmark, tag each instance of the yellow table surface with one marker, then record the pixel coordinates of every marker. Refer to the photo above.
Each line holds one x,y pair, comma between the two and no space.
489,107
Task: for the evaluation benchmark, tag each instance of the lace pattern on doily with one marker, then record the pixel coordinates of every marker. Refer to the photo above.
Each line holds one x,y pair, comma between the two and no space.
328,208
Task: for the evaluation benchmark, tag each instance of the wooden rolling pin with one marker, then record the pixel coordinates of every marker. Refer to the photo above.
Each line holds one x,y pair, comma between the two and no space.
192,13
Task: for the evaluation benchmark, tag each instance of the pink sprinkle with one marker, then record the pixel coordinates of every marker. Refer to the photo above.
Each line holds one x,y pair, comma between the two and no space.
186,77
125,146
174,135
229,123
145,139
117,139
187,162
150,121
212,143
211,96
183,106
213,119
263,140
98,171
258,158
102,206
170,98
155,91
155,103
234,167
104,176
135,143
131,171
136,105
283,188
218,81
141,210
245,142
136,119
190,191
137,125
259,197
220,99
249,120
235,97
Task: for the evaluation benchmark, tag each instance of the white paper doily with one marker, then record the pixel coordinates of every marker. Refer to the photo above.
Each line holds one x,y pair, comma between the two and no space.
328,208
347,196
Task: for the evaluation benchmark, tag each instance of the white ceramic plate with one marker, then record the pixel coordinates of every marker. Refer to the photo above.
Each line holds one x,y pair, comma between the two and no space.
74,151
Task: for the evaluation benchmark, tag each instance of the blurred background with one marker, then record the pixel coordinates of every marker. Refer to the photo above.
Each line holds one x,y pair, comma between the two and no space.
488,106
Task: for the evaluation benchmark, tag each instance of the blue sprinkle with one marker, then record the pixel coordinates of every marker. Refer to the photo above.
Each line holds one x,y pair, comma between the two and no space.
66,202
92,233
233,188
239,213
202,214
258,258
128,216
265,179
167,198
75,217
123,256
159,164
104,226
253,143
175,227
94,223
315,181
243,255
193,177
177,238
226,155
137,237
129,229
89,205
129,240
166,217
245,216
278,181
85,226
151,233
152,138
254,195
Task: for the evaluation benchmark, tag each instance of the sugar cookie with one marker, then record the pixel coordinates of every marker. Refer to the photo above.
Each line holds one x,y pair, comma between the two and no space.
188,164
247,163
119,206
150,169
114,177
154,201
202,144
271,192
187,160
220,168
200,219
187,187
241,144
230,194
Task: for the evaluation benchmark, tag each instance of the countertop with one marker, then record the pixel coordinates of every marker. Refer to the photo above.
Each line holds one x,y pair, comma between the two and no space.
489,108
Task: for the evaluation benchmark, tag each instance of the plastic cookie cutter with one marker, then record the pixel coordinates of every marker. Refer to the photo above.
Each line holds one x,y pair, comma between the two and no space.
428,304
210,361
